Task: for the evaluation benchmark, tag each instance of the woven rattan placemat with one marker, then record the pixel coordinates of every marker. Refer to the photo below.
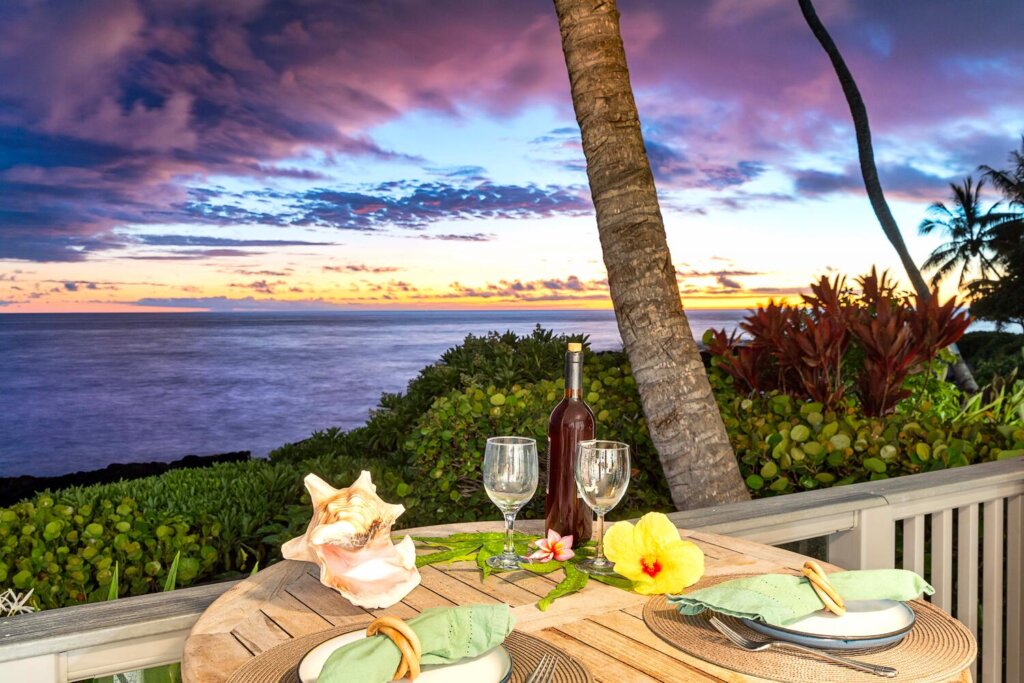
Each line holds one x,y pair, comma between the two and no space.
936,650
280,664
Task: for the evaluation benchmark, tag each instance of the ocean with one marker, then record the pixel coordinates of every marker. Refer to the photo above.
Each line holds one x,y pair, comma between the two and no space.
81,391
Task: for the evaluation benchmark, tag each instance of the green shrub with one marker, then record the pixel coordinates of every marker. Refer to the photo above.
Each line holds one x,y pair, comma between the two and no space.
992,354
67,554
424,448
784,445
445,452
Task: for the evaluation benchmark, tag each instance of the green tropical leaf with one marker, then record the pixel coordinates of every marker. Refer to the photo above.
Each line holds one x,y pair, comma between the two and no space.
614,580
543,567
456,554
172,574
481,561
112,591
574,581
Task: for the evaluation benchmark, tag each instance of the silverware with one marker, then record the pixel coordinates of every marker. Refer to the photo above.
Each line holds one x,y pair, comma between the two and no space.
544,671
755,646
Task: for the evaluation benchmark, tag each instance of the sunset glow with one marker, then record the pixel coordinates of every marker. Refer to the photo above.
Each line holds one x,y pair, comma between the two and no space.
425,155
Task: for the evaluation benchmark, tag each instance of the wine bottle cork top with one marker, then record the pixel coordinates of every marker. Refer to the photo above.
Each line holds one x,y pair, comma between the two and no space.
575,347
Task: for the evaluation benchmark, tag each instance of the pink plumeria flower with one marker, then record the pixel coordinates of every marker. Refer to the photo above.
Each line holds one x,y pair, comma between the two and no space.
554,547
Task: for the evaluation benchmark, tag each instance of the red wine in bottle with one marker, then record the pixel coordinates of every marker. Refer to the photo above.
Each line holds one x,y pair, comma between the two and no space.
571,421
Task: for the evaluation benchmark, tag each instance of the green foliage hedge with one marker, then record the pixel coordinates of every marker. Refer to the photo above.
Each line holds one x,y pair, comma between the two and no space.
445,451
786,446
993,353
64,545
424,449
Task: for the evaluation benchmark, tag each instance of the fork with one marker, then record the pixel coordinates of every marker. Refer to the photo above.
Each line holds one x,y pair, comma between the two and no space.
755,646
544,671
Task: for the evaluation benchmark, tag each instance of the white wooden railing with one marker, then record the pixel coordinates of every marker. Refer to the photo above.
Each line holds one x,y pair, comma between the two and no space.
970,518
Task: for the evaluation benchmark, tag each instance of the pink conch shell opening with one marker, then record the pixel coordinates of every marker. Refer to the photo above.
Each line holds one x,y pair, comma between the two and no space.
349,536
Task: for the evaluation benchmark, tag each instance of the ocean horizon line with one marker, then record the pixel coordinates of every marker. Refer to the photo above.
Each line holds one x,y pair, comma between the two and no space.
367,309
322,311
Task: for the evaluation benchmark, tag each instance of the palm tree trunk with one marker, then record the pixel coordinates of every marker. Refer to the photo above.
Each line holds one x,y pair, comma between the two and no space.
682,416
961,373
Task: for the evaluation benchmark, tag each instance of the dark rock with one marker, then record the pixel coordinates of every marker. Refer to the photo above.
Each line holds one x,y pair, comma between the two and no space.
14,489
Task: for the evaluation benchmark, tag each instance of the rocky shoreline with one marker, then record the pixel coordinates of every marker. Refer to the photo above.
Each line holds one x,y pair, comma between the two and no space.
14,489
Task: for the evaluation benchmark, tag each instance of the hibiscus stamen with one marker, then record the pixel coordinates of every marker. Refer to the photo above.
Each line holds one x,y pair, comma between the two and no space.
651,570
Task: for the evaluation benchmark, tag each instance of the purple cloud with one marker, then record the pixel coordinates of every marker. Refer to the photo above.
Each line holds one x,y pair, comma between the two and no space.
114,109
361,268
449,237
261,286
554,289
227,304
203,241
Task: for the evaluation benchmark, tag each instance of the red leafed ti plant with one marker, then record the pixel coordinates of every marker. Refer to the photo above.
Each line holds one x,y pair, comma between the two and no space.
803,347
802,350
890,351
769,328
823,341
896,337
742,362
936,325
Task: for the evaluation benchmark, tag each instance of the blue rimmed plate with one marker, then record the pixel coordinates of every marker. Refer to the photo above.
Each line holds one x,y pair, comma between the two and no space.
493,666
866,624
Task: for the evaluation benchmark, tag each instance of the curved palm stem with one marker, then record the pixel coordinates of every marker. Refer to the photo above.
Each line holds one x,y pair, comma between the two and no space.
869,172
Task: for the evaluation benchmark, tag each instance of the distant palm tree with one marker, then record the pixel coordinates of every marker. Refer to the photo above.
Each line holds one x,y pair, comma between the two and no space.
971,231
1010,182
1008,237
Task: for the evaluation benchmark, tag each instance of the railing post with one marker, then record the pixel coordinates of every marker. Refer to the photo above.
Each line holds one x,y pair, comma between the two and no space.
870,544
942,559
1015,588
992,592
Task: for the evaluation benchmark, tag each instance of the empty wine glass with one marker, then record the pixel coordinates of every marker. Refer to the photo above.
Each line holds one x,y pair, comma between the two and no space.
510,479
602,476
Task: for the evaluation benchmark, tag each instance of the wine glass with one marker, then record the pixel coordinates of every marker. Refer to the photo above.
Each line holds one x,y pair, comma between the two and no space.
510,479
602,476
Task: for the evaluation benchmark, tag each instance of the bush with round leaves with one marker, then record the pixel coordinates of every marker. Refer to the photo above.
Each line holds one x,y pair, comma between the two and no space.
67,554
445,452
785,445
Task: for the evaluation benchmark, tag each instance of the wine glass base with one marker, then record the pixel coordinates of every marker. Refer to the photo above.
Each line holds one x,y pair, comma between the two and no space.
596,566
506,562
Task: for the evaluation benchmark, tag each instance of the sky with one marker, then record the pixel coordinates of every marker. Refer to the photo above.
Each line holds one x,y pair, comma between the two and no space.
184,155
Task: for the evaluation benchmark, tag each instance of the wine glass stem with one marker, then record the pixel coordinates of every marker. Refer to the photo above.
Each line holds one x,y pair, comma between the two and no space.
599,553
510,523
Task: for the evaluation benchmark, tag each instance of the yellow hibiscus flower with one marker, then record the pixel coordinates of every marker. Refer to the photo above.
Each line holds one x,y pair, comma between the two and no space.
652,555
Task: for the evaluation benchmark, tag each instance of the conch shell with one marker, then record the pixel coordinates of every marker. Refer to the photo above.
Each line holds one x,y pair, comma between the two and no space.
349,536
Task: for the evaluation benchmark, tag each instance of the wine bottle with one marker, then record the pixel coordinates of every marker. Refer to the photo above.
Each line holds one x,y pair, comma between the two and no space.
571,421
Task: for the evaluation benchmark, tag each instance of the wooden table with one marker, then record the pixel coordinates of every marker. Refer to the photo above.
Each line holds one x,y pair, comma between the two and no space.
601,626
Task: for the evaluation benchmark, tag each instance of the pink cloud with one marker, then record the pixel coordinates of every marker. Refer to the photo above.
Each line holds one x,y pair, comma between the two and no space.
120,103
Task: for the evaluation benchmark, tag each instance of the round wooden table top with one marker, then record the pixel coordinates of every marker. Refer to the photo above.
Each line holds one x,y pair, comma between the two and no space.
601,626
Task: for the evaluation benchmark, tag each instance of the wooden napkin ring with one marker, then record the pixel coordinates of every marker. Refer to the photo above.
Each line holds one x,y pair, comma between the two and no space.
405,639
828,595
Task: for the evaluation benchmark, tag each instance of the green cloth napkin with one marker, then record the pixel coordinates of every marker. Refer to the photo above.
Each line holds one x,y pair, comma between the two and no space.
447,635
781,599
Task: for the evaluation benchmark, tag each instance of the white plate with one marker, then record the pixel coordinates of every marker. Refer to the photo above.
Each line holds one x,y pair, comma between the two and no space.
493,666
867,623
